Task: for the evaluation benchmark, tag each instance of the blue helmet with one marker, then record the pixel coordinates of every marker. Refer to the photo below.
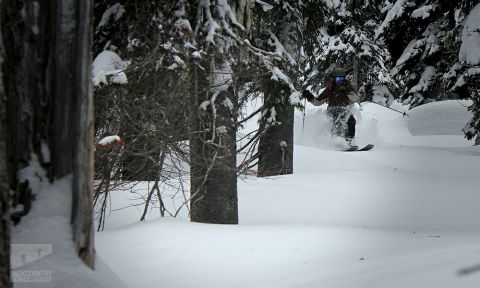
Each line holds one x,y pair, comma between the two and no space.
339,74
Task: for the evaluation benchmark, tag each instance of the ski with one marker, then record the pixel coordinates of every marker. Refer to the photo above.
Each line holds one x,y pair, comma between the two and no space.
366,147
356,148
351,148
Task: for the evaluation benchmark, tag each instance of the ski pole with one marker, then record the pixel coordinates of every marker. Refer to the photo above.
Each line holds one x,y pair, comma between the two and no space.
304,108
403,113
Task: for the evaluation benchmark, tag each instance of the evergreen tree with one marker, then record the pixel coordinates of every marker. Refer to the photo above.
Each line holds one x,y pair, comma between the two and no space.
344,32
213,104
424,39
229,51
282,26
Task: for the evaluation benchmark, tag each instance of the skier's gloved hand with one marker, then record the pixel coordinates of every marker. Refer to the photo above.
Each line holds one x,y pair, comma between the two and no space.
308,95
354,98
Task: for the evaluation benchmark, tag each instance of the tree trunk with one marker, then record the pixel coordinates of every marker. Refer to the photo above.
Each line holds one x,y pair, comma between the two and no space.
212,155
50,104
276,144
73,115
82,120
4,187
24,78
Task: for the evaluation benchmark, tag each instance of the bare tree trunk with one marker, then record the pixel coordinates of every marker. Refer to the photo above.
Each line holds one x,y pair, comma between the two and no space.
4,187
73,115
26,42
83,169
50,104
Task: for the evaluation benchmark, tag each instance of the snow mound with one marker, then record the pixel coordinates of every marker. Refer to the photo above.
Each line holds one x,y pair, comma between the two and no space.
439,118
42,242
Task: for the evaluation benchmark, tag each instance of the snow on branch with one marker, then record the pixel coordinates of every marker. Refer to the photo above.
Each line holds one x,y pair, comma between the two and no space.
227,15
280,49
226,12
177,62
278,75
272,117
109,141
183,27
223,78
423,12
395,12
219,25
115,11
107,68
335,45
265,6
331,4
212,28
425,80
470,49
413,49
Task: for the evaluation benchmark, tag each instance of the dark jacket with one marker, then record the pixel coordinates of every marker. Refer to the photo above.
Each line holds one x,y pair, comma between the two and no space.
336,94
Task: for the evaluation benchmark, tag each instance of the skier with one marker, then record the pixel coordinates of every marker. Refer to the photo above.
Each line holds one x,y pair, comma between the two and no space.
340,96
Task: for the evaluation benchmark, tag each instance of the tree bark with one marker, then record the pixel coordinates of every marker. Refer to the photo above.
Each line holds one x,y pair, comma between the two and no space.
82,142
4,187
213,158
212,135
27,43
276,143
275,147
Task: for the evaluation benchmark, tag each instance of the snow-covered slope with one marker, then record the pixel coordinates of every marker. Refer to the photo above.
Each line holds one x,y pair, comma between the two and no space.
42,250
402,215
